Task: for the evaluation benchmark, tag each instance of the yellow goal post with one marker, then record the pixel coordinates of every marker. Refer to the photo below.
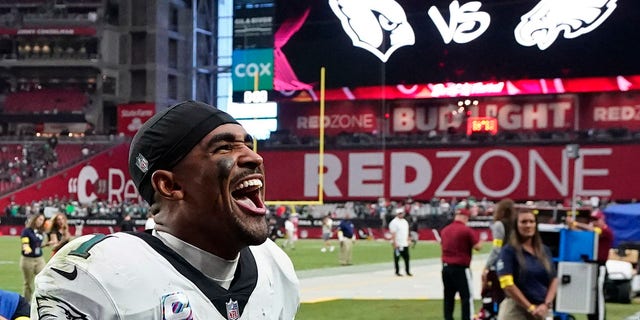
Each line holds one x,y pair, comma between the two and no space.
319,201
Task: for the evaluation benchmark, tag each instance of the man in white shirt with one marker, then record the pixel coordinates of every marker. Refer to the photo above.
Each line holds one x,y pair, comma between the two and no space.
208,256
327,231
291,236
399,228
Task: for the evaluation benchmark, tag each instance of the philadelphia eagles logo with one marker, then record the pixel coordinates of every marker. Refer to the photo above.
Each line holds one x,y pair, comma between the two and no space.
543,24
51,308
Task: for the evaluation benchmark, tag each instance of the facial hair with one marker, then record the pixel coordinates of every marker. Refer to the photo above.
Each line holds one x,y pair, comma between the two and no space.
251,230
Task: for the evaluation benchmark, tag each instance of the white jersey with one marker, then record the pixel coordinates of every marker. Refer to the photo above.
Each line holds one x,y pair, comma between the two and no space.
136,276
400,227
149,224
289,226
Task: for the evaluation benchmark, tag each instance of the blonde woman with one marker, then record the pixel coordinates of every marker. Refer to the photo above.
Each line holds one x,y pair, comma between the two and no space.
58,232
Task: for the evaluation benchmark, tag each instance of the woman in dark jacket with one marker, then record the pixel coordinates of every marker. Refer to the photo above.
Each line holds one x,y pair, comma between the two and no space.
526,272
32,261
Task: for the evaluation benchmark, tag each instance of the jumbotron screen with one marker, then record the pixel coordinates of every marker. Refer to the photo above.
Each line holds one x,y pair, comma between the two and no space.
387,42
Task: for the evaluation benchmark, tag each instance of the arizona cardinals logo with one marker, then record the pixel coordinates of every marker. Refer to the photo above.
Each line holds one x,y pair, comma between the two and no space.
50,308
542,25
378,26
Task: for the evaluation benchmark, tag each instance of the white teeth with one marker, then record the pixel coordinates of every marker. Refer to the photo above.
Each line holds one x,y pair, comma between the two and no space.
249,183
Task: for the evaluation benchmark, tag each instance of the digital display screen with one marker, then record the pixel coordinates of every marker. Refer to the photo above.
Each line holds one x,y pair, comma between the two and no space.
370,43
482,125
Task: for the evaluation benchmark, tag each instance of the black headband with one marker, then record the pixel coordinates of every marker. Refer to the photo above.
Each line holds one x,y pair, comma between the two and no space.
168,137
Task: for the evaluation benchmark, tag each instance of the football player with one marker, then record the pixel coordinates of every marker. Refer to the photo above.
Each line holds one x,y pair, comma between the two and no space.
208,256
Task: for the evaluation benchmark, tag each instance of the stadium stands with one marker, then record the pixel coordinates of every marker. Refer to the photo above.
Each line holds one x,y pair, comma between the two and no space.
46,101
28,161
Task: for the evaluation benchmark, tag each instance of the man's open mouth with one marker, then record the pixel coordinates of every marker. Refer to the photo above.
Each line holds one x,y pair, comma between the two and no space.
247,195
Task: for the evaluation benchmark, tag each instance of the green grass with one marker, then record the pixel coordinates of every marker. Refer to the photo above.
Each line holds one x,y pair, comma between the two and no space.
372,310
413,309
10,273
306,256
307,253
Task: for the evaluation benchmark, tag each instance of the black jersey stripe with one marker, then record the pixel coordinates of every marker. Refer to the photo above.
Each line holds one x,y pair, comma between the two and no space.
244,281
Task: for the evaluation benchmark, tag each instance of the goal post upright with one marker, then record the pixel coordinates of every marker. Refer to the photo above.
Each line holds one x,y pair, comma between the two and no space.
321,140
320,199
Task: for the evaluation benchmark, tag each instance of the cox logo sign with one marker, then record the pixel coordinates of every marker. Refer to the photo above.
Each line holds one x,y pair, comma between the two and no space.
252,69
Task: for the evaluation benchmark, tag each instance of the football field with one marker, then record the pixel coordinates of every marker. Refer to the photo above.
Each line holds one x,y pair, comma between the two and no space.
310,262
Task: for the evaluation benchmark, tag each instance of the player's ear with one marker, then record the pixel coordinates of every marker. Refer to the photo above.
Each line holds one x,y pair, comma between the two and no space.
165,185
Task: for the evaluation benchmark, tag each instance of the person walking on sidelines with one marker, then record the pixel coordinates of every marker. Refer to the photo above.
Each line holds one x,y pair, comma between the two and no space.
458,242
347,237
327,231
605,242
399,228
290,232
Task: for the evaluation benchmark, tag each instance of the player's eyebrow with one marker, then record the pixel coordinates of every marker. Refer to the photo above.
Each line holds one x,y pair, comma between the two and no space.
227,137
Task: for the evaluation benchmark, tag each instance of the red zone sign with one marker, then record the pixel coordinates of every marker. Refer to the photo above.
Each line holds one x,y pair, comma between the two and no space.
516,114
516,172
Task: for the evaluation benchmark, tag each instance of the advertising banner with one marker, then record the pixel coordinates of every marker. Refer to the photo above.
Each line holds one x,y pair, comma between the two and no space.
104,177
50,31
132,116
611,110
521,173
518,172
252,69
515,114
253,25
340,117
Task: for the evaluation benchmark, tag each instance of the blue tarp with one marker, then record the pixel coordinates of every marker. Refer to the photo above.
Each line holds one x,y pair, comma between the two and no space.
624,221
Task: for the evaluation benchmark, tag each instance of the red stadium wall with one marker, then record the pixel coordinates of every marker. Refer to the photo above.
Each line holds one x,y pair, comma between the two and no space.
522,173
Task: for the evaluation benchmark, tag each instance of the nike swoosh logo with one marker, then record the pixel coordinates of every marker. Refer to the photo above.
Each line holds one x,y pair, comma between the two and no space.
69,275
